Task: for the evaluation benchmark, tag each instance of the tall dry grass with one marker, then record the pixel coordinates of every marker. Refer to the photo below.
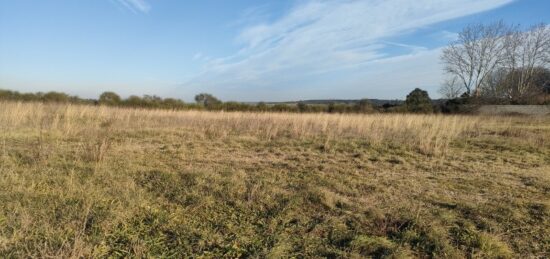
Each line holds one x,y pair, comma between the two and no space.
90,181
428,133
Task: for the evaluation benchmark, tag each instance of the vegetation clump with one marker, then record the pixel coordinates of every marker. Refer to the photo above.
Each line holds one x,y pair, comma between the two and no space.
418,101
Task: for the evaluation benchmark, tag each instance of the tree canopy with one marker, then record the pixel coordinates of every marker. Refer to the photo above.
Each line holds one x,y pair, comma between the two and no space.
207,100
109,98
418,101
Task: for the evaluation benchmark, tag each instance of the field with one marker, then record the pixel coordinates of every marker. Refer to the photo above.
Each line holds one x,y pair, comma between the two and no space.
90,181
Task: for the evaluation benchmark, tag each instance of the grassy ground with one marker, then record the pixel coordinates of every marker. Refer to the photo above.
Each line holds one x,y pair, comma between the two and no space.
79,181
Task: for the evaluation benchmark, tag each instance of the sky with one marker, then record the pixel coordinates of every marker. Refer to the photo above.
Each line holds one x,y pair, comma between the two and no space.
240,50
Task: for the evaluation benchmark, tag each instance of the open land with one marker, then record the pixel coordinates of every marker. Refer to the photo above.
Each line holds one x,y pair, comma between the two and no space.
95,181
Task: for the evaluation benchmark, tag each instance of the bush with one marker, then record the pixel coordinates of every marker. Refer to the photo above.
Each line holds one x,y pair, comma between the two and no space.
109,98
364,106
418,101
208,101
55,97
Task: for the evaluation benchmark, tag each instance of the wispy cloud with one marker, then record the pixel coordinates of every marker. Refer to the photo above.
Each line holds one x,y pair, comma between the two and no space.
136,5
319,37
253,15
447,35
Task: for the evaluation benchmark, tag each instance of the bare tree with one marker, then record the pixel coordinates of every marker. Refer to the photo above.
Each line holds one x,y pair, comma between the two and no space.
477,52
451,88
526,53
494,86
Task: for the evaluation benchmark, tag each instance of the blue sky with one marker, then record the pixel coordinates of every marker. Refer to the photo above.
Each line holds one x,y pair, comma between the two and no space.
240,50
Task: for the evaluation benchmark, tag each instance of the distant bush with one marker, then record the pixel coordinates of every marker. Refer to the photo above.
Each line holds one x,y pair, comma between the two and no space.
261,106
109,98
55,97
364,106
236,106
283,108
337,108
418,101
41,97
208,101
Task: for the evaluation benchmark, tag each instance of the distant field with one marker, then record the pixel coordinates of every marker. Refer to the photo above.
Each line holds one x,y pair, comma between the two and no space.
89,181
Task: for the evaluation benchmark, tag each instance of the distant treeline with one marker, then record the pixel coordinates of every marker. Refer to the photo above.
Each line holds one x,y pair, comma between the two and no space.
203,101
418,101
206,101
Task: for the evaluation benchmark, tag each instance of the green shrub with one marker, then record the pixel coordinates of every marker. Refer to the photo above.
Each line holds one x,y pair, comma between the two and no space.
418,101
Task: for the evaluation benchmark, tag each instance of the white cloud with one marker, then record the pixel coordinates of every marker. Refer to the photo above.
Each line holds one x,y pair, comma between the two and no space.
136,5
342,38
447,35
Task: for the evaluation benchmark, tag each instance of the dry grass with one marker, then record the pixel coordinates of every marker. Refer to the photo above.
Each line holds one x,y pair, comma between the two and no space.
427,133
85,181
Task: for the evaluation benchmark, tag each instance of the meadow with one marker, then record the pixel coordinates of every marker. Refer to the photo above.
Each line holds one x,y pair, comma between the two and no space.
94,181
